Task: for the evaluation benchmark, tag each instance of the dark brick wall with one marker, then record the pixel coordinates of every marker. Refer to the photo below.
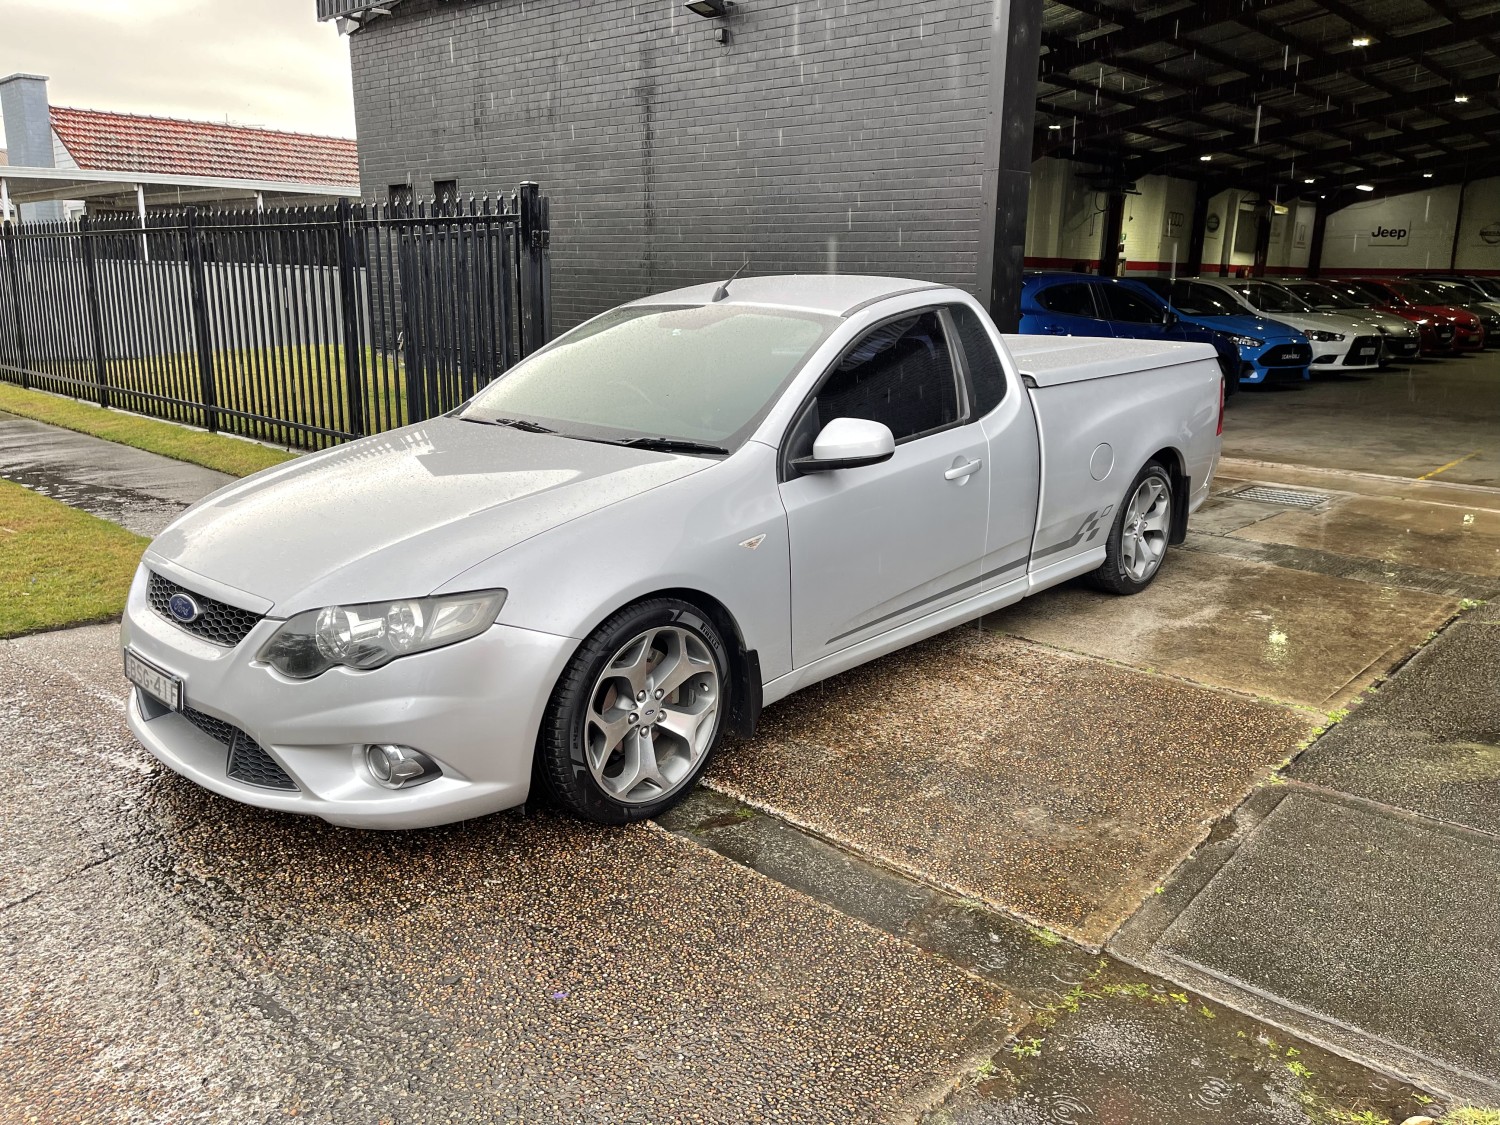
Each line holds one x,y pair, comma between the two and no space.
846,134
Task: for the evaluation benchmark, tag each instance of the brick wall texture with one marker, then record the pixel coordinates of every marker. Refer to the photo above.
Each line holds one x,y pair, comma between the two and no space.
844,135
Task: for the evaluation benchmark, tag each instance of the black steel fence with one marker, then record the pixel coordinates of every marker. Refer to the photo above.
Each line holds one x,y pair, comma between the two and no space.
303,326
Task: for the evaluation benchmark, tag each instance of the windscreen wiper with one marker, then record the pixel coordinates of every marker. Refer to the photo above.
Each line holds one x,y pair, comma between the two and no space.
513,423
670,445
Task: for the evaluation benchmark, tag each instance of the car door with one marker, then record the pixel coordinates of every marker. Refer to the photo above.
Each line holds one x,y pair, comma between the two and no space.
1132,316
875,547
1072,310
1015,465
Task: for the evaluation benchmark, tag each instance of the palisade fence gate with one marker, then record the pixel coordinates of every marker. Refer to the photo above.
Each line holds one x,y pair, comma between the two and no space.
300,326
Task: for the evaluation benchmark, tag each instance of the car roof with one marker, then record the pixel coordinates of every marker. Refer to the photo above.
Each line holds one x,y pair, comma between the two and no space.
832,294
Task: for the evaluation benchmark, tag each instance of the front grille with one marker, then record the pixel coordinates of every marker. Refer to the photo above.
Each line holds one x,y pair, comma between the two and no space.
252,765
1368,345
1287,355
248,762
219,623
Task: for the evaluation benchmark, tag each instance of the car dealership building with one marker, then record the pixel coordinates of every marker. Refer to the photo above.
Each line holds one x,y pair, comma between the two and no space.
945,139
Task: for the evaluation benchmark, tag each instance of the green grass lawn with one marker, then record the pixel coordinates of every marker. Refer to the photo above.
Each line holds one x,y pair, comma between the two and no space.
298,384
59,566
226,454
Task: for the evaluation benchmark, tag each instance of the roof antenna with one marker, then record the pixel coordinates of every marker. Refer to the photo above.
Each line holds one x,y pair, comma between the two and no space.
723,291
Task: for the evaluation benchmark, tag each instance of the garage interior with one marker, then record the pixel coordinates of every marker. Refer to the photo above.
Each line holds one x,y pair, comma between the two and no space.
1297,129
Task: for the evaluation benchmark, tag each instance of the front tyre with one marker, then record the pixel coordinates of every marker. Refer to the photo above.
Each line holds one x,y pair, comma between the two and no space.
637,713
1138,539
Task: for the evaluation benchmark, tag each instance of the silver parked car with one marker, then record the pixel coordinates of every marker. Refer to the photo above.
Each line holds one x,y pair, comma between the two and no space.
686,508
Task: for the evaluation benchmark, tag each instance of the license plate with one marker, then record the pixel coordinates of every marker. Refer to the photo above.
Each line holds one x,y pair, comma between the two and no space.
158,684
1366,353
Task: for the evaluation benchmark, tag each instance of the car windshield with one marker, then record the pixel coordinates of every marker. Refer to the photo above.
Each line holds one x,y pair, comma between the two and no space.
1325,296
699,373
1357,297
1489,285
1420,294
1266,297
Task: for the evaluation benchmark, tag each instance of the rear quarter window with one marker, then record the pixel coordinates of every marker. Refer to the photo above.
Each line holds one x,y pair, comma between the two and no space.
986,376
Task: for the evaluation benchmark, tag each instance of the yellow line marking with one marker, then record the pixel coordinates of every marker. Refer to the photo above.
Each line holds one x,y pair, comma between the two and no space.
1449,465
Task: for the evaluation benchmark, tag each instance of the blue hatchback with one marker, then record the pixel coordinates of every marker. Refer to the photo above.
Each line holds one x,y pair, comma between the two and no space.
1270,352
1071,304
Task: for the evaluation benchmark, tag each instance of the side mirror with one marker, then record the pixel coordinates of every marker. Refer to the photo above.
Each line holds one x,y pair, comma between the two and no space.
848,443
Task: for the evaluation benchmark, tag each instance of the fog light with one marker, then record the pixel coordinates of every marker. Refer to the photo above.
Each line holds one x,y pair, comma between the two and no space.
399,767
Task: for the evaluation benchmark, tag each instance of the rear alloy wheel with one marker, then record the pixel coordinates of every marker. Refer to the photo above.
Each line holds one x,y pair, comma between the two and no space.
637,713
1138,540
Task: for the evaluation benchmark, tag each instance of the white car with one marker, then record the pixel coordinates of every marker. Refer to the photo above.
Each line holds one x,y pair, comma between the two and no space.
1401,337
1339,342
685,509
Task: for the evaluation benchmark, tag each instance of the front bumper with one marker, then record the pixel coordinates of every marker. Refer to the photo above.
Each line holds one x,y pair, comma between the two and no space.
1349,354
474,707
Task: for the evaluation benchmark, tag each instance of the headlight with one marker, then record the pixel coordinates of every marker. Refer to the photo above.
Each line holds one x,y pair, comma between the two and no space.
1324,337
373,634
1247,341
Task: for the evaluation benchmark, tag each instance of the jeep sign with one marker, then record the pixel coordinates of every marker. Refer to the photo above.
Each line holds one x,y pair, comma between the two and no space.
1388,236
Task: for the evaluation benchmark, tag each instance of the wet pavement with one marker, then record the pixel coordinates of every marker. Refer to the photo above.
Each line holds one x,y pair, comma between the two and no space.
170,955
1438,417
1053,786
140,490
1268,631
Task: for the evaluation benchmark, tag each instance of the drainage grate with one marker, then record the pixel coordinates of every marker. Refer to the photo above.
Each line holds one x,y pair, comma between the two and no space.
1286,497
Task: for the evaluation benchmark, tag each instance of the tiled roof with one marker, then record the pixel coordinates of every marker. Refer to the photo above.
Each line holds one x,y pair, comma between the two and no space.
124,142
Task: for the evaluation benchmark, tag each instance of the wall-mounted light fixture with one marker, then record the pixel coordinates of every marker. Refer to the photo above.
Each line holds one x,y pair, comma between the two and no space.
710,9
1364,187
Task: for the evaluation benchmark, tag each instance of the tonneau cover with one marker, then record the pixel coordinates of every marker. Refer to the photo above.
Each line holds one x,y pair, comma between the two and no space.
1054,360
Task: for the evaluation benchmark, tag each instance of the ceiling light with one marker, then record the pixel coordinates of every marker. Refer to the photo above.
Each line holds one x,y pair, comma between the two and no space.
1361,41
1460,98
709,9
1054,127
1427,175
1309,181
1205,156
1364,187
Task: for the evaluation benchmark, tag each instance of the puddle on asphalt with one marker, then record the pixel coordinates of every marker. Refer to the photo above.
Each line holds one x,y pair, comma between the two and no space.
136,511
1124,1049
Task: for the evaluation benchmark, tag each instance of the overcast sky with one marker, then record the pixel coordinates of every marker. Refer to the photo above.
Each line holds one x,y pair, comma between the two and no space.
256,62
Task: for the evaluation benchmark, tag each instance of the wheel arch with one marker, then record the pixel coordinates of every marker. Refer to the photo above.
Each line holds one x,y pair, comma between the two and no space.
744,672
1171,460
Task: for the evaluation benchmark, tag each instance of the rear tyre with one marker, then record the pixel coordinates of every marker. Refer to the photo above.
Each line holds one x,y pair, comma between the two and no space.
1137,542
636,715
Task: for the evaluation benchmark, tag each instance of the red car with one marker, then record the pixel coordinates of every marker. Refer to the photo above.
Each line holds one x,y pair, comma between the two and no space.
1436,333
1404,298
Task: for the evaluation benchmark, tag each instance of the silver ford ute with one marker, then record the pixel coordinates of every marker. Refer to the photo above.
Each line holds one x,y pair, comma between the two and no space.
619,551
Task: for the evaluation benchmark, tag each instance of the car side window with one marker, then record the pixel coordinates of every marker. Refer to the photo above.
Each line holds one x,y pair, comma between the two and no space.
1073,298
1121,304
901,373
986,376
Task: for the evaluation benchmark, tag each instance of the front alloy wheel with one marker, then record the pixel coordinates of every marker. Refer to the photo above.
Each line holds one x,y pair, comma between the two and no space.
637,713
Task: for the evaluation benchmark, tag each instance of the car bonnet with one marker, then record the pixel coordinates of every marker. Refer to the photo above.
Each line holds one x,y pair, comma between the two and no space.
398,514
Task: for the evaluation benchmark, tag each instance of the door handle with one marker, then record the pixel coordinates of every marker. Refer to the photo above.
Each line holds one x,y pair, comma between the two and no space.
958,472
